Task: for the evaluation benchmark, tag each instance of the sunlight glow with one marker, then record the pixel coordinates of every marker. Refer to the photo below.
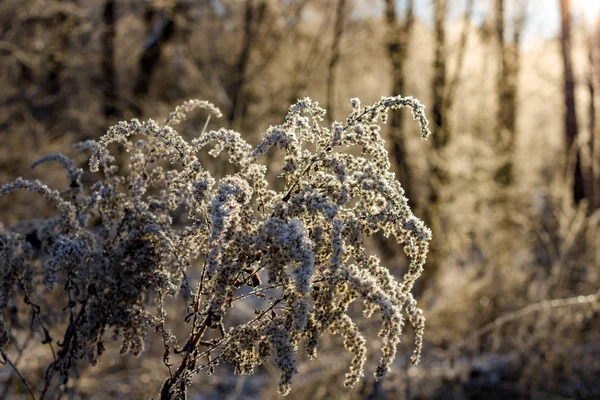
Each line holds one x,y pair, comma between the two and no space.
589,9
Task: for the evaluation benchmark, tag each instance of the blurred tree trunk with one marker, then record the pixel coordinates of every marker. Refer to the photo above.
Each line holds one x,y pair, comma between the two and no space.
309,61
438,174
508,47
450,88
509,64
595,139
109,75
55,62
279,27
397,44
161,27
254,13
591,84
335,57
593,178
439,78
503,71
571,129
443,92
53,107
398,40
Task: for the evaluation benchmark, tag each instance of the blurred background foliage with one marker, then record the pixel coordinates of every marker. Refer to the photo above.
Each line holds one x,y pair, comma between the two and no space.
509,183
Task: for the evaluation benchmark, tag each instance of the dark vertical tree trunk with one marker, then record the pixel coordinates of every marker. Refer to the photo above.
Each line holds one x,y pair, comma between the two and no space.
253,17
439,106
504,172
570,121
53,113
591,84
509,65
593,175
335,56
443,91
460,58
502,73
595,134
109,75
161,28
397,45
439,76
438,174
55,62
398,39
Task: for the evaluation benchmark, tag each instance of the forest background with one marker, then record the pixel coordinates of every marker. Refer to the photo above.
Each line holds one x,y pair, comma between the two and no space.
509,181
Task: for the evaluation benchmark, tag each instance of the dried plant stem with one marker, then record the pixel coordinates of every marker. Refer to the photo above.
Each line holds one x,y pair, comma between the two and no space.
120,247
6,359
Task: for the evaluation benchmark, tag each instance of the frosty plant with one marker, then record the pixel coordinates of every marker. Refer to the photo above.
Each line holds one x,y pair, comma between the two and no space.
131,237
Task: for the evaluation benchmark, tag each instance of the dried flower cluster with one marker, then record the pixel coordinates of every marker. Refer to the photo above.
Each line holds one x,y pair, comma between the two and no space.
133,234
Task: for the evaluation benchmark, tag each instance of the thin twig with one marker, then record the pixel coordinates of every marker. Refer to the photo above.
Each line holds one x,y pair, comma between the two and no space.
205,125
512,316
14,367
256,291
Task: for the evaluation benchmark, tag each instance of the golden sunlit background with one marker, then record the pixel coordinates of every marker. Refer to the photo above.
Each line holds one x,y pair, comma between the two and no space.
509,181
589,8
